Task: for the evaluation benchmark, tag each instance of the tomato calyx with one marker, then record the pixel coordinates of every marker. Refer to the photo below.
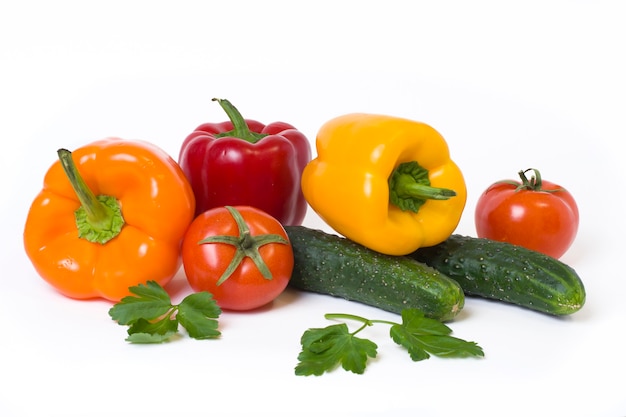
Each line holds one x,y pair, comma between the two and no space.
535,183
246,245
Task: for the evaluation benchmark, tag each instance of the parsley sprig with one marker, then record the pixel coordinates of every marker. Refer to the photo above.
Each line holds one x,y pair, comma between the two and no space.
152,318
324,349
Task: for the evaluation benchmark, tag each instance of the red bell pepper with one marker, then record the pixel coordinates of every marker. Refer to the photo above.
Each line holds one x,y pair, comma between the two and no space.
243,162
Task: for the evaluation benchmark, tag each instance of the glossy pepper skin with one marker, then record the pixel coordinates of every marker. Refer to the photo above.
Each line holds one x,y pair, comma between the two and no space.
244,162
143,184
353,183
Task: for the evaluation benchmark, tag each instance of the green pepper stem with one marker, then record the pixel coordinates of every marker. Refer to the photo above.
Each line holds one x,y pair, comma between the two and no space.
240,127
87,198
409,187
99,218
406,186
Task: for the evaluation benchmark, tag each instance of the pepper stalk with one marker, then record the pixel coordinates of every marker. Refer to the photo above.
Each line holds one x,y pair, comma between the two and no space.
409,187
99,218
240,127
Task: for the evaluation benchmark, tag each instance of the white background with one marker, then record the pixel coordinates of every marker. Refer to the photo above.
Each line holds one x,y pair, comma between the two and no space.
510,85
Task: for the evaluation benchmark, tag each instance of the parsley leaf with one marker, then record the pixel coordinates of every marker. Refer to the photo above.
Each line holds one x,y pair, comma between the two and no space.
151,301
324,349
413,320
144,331
196,313
152,318
423,336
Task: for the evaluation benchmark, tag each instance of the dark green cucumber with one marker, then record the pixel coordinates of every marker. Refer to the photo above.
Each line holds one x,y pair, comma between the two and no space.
509,273
329,264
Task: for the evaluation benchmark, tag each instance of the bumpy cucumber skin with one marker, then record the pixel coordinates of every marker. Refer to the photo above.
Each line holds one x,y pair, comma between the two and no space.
329,264
508,273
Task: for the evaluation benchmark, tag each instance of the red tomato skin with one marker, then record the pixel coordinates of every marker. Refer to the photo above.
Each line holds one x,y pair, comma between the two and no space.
246,288
546,222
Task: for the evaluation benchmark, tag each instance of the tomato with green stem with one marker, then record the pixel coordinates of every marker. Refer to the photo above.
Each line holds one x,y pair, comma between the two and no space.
533,213
241,255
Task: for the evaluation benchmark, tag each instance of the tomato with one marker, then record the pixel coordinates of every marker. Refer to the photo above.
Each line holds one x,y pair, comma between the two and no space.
241,255
533,213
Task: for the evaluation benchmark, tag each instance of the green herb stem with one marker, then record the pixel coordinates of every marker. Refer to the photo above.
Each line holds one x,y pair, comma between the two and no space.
368,322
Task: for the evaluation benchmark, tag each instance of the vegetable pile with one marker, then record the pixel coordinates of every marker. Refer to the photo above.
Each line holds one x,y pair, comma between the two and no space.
116,219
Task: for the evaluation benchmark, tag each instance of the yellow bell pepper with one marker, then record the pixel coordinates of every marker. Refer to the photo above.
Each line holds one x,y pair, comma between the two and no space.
387,183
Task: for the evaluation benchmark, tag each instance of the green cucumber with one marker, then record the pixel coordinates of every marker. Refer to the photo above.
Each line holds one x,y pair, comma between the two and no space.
508,273
336,266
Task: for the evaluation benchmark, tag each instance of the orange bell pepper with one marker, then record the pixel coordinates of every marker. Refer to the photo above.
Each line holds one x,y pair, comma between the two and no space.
111,215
